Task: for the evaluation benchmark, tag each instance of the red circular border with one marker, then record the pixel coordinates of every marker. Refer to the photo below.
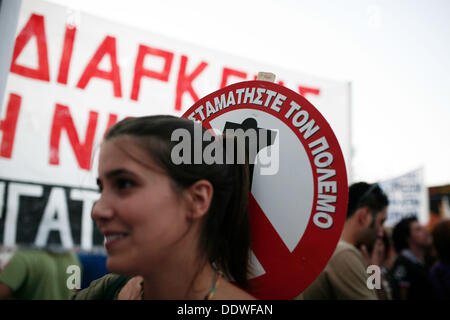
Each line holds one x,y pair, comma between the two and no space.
289,277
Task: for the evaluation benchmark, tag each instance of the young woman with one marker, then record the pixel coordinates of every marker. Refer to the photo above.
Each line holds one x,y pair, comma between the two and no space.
172,231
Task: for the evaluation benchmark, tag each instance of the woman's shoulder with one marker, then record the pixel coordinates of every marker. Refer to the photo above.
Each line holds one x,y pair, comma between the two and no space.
105,288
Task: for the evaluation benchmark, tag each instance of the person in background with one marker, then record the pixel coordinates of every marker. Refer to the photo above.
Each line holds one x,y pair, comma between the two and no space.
409,275
38,274
367,245
345,276
440,272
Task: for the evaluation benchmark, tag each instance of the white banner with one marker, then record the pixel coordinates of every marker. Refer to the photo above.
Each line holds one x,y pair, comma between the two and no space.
408,196
72,76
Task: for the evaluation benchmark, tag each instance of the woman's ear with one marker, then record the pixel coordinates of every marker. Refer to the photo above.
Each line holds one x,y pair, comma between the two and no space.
199,197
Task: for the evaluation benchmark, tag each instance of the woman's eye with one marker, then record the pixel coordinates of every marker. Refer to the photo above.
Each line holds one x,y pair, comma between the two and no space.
124,184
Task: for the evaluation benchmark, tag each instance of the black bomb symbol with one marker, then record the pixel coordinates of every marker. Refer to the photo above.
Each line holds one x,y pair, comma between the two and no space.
264,138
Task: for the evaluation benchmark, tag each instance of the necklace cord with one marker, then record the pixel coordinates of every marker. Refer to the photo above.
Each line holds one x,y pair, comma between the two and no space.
209,295
215,284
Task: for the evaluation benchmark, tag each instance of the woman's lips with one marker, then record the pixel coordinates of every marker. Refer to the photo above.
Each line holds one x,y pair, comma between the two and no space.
112,239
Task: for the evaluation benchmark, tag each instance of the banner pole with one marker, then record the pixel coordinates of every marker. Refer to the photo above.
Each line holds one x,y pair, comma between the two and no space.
9,18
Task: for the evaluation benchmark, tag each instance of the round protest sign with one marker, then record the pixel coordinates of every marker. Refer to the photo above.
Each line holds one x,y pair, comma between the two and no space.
298,181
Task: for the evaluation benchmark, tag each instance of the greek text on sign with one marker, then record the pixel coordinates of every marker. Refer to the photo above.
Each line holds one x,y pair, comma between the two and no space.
297,213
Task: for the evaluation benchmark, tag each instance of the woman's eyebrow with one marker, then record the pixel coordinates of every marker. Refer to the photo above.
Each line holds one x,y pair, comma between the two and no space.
113,173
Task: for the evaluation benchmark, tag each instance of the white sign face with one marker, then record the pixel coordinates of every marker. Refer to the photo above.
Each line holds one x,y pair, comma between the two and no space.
71,77
408,196
295,171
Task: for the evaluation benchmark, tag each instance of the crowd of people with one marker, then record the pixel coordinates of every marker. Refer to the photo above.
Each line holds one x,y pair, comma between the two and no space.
183,231
412,263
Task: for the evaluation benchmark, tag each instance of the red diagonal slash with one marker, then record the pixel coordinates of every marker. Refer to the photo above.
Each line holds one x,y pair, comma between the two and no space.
282,268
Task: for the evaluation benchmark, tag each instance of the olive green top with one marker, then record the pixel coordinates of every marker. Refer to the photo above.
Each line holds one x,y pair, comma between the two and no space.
344,277
105,288
39,274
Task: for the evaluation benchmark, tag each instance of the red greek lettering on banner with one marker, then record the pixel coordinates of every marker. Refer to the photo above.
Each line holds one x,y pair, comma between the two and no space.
228,72
34,28
140,71
107,47
62,121
66,56
9,124
184,82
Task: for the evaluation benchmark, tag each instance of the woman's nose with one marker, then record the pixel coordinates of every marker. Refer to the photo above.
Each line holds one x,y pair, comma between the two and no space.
101,210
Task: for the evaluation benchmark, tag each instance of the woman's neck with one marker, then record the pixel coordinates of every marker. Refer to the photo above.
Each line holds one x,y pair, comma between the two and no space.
185,280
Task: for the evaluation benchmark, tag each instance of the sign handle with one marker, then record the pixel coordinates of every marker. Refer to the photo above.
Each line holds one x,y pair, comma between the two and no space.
266,76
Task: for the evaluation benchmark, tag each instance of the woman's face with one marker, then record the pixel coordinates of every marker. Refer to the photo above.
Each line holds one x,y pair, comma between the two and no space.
139,213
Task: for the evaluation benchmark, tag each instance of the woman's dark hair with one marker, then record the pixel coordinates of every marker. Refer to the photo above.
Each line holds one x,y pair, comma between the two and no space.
225,234
401,233
441,240
362,194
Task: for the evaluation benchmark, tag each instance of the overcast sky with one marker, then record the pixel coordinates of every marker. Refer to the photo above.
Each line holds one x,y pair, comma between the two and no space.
395,53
